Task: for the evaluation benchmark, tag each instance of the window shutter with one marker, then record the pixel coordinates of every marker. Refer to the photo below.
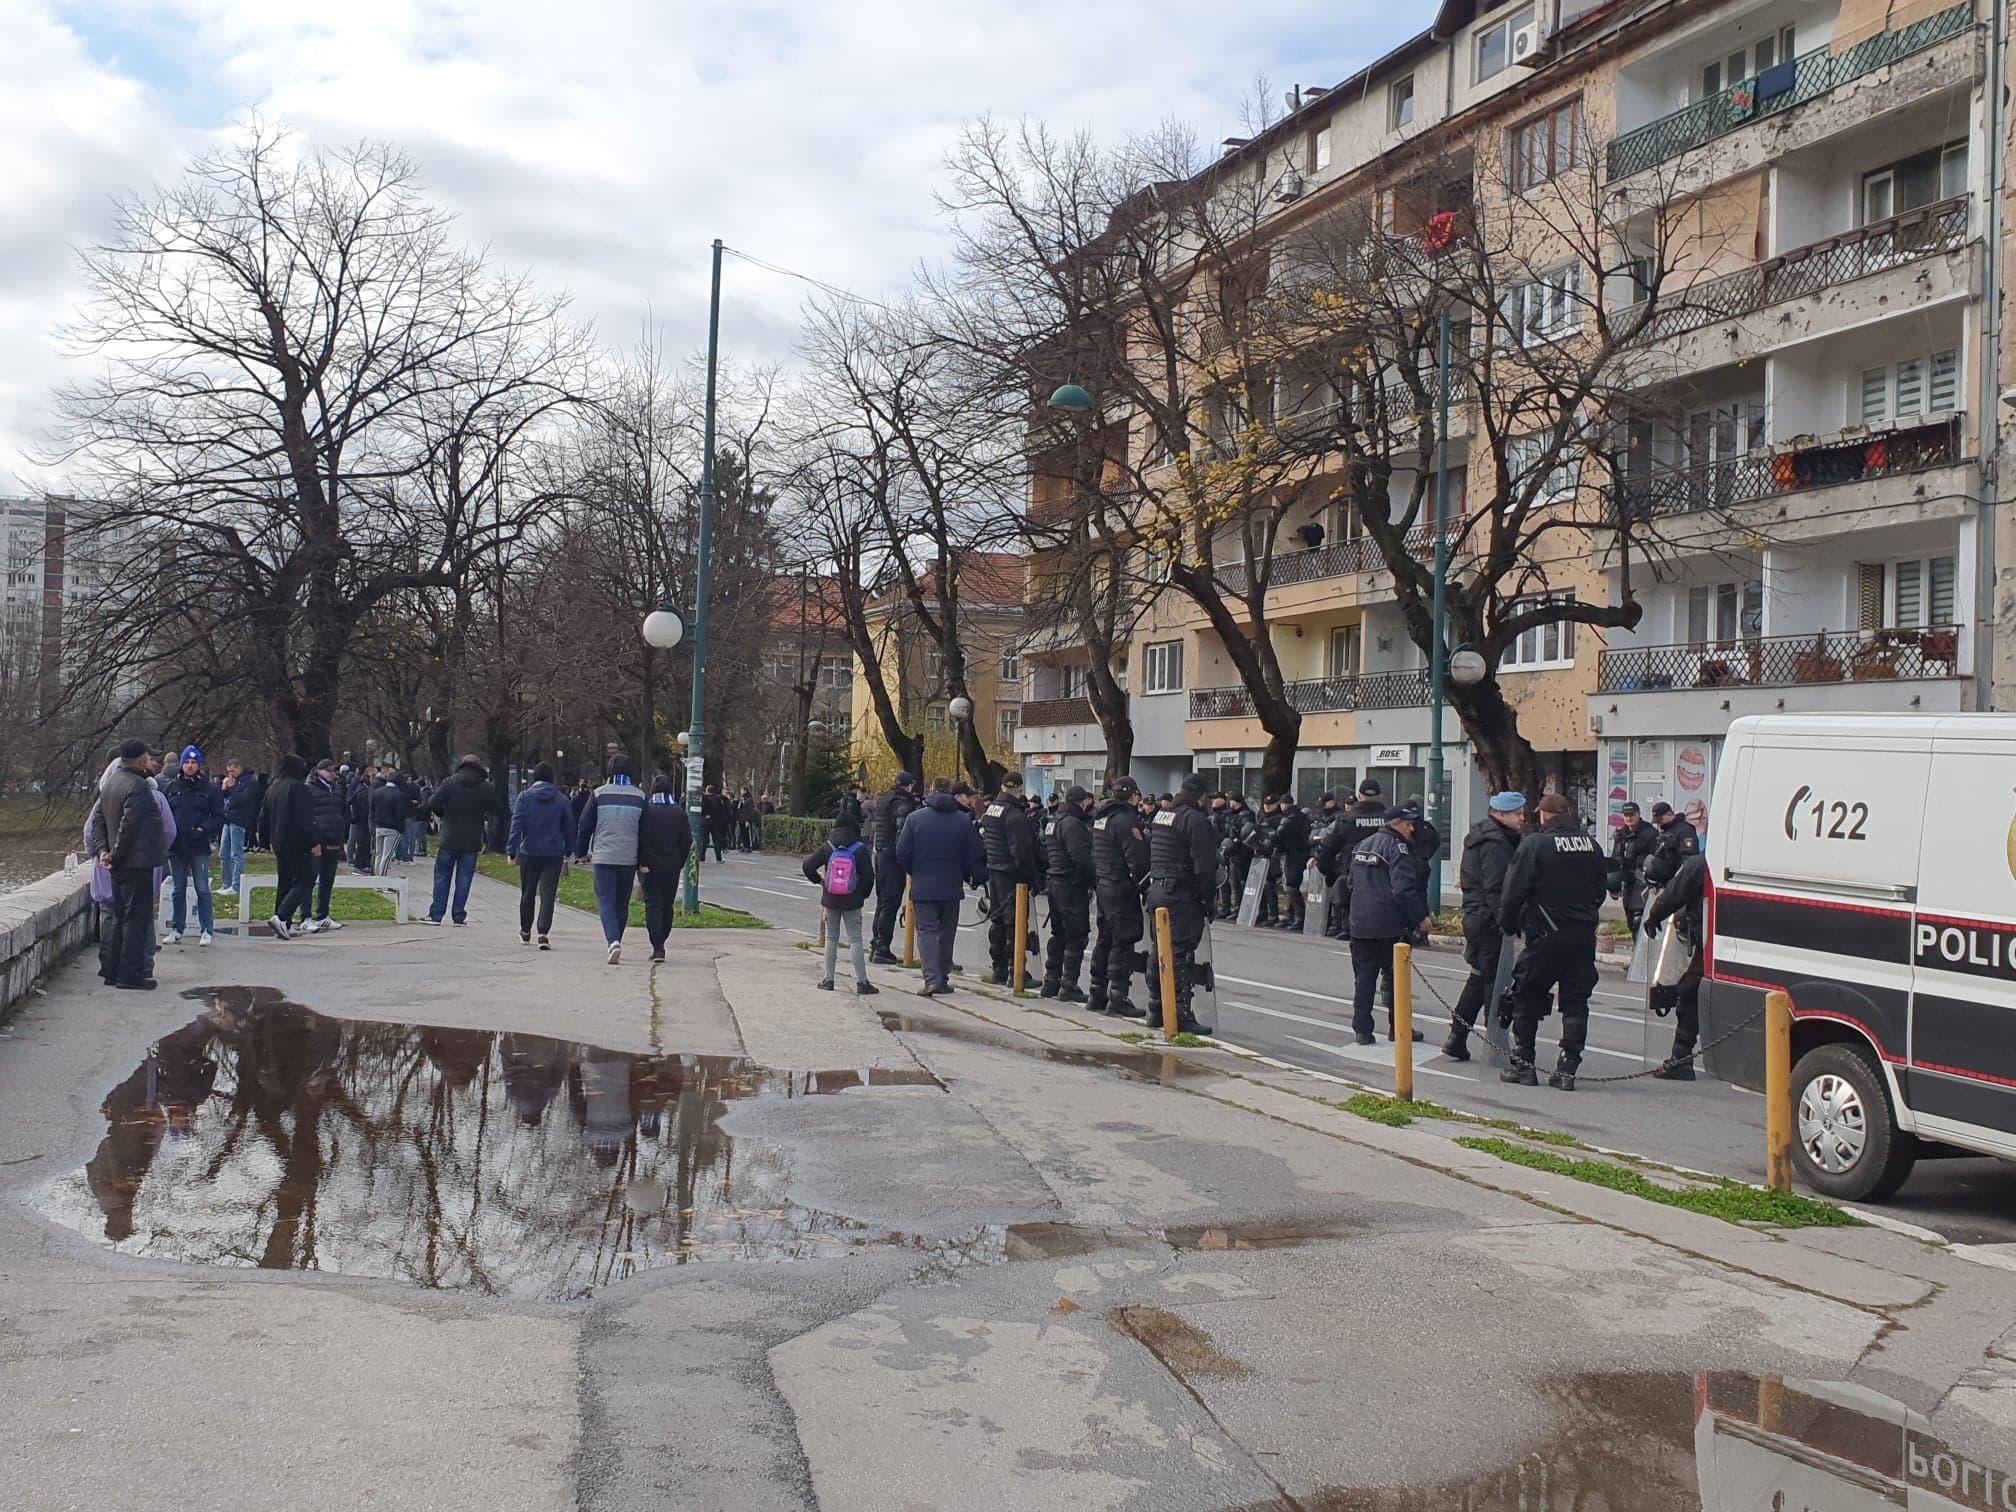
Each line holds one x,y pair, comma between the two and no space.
1943,610
1875,396
1869,596
1945,381
1911,386
1910,593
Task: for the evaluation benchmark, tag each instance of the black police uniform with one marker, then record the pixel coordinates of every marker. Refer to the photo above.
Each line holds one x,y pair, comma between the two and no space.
1333,857
1630,848
1120,862
890,810
1235,853
1267,856
1677,841
1069,882
1487,856
1388,903
1553,895
1182,876
1291,844
1009,835
1685,896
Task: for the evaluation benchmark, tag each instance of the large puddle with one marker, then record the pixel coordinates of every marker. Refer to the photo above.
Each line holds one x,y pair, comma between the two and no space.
1714,1442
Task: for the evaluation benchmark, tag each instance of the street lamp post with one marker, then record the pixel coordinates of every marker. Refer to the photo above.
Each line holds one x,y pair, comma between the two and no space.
697,725
1438,808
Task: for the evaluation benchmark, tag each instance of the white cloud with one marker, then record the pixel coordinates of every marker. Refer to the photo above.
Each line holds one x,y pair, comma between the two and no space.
602,144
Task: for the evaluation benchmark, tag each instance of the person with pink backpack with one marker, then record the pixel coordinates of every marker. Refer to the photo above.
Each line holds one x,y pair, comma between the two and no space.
845,872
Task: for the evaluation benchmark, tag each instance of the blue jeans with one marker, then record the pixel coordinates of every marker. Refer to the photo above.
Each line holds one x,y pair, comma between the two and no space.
408,837
183,869
612,899
462,864
231,855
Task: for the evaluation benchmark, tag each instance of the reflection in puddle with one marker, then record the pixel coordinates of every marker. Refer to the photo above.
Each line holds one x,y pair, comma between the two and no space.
1716,1442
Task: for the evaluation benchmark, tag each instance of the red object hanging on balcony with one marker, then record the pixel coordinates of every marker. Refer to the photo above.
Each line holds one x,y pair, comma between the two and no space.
1785,472
1878,456
1440,232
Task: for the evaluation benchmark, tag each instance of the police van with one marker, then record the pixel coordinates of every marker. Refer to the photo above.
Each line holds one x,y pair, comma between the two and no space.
1866,865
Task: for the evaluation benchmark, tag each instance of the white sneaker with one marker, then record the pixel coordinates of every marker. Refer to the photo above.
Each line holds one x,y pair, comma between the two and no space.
329,924
279,927
171,938
615,951
308,926
205,938
227,892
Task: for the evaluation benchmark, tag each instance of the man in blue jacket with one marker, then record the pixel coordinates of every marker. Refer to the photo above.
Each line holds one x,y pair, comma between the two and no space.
542,833
240,794
198,817
1389,903
940,851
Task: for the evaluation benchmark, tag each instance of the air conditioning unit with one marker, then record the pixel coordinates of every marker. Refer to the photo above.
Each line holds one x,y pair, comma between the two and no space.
1289,187
1526,45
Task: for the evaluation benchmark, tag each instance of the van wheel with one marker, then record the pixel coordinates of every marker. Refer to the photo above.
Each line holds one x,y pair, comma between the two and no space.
1845,1138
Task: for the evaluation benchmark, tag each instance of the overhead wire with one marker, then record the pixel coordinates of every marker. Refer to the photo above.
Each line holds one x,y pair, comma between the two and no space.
817,283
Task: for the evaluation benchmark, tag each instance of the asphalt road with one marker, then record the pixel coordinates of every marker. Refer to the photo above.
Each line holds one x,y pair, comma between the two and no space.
1288,997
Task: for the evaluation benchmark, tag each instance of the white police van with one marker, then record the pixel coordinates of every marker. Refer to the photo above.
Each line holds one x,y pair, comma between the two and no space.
1866,865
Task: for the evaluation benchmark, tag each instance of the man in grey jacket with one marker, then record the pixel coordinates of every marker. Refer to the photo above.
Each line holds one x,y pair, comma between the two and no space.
136,843
608,839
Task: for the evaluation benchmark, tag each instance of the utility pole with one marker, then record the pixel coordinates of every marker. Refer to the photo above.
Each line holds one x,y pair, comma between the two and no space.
1438,651
696,726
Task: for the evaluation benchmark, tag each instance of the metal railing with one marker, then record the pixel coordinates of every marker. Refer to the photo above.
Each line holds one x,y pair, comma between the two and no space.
1320,695
1920,233
1056,711
1334,559
1745,479
1811,75
1784,661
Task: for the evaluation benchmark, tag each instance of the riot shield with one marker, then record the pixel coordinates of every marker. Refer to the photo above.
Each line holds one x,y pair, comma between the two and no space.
1315,902
1256,884
1203,980
1643,949
1494,1023
1672,953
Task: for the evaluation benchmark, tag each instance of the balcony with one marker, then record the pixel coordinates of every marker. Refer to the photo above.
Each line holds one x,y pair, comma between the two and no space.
1321,695
1759,475
1921,233
1785,661
1777,90
1337,559
1044,712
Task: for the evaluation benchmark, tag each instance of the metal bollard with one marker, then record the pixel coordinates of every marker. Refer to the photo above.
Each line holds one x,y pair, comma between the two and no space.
1165,956
1021,973
909,926
1778,1090
1403,1021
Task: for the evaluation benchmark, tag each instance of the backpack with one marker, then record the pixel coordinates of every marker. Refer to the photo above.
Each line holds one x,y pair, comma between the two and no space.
840,870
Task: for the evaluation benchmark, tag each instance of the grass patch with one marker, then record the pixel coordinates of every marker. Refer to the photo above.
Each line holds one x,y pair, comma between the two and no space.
1132,1036
1731,1201
351,905
36,834
1394,1112
577,890
1188,1041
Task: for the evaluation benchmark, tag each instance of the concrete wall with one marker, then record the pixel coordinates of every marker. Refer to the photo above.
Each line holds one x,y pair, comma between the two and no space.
41,924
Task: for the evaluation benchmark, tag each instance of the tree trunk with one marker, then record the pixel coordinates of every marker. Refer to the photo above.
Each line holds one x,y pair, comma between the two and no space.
1505,756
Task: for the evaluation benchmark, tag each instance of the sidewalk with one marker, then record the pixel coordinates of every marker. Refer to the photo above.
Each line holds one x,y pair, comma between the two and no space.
740,1243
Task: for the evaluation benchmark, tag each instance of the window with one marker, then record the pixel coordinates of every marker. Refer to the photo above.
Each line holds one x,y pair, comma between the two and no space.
1010,720
1744,63
836,672
1317,156
1011,666
1720,614
1910,594
1549,645
1548,146
1935,174
1070,682
1522,455
1341,659
1400,103
1545,309
1163,670
1911,386
1494,43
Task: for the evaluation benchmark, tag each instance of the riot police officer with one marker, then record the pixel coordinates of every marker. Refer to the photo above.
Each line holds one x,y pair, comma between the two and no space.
1291,845
1235,854
1487,856
1120,863
1267,856
1363,819
1678,840
1009,835
1684,896
1389,903
1553,896
1182,876
1630,848
1070,879
890,810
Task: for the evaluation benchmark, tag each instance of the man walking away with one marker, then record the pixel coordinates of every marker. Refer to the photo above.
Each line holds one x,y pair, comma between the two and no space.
1120,865
1009,835
1553,896
940,852
1389,903
845,872
1069,881
464,804
332,830
1487,856
1182,877
542,833
890,810
1630,848
288,818
388,821
135,844
1684,896
716,815
664,841
240,797
198,816
608,839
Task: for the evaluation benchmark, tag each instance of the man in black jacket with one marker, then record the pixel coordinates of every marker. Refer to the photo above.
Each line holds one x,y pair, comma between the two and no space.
1236,832
288,818
464,804
388,821
1359,822
332,830
1630,848
1487,856
1291,845
664,841
1389,903
1267,856
1684,896
136,846
1120,866
1070,880
1553,896
1677,841
1182,877
1008,833
890,810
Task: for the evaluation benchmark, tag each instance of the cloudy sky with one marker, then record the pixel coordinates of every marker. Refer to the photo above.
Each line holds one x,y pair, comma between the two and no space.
602,143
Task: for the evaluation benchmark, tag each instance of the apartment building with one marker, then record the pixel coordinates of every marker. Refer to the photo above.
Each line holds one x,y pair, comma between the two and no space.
1801,449
47,575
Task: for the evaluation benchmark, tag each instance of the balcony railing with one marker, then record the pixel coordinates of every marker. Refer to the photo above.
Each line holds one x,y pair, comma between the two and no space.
1336,559
1784,661
1320,695
1803,78
1056,711
1762,475
1920,233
